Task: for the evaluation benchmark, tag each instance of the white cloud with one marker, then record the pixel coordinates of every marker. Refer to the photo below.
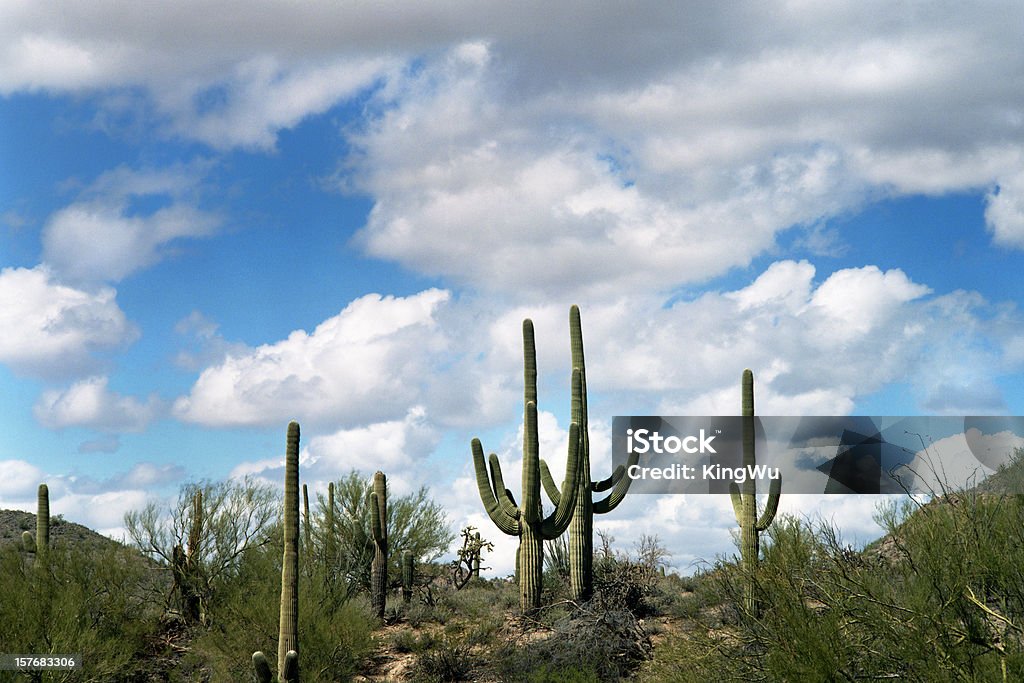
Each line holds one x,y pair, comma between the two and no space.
365,364
53,330
1004,212
18,477
89,403
395,446
100,237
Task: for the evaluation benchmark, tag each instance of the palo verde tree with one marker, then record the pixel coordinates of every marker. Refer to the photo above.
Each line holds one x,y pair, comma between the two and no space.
414,522
202,536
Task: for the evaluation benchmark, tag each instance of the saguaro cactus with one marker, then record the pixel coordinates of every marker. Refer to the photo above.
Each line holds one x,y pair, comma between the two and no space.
329,531
288,624
186,568
581,530
744,501
40,543
408,576
379,527
527,520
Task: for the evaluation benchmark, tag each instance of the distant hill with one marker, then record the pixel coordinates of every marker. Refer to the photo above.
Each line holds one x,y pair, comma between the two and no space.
15,522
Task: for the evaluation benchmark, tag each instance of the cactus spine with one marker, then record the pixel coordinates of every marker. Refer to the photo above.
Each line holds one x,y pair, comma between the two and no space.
379,526
581,531
527,519
408,576
744,501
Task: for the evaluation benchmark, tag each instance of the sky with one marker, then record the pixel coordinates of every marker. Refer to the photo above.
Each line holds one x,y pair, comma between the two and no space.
217,217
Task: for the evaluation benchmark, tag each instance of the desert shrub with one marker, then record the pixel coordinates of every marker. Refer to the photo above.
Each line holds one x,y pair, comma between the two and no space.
941,599
623,584
334,629
589,644
408,640
442,663
89,603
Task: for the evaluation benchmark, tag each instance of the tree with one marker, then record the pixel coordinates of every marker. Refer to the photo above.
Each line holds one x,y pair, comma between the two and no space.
415,524
203,535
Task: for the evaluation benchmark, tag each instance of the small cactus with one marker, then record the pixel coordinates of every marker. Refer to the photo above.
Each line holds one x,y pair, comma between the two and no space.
40,543
379,526
408,576
744,501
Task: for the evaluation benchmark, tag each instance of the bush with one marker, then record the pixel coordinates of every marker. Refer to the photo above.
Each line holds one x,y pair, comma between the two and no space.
941,599
590,644
446,662
90,603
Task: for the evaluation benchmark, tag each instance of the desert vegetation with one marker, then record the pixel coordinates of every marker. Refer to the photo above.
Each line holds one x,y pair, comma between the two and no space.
243,581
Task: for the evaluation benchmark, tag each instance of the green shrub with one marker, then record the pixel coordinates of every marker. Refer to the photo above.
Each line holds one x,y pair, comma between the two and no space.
91,603
445,662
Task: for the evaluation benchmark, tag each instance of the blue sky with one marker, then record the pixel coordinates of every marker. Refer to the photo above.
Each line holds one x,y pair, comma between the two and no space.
214,221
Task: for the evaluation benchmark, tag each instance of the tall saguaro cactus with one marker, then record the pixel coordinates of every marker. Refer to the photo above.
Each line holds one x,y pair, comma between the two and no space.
744,501
379,527
581,530
526,520
288,625
40,544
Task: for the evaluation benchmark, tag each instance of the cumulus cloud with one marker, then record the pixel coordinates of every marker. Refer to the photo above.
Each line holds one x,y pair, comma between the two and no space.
392,446
400,448
18,478
363,365
102,237
89,403
53,330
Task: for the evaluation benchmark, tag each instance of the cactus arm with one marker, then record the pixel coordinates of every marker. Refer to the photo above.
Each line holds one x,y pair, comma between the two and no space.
505,499
549,483
375,519
531,507
622,484
771,506
605,484
291,667
262,667
737,501
28,541
505,522
558,521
